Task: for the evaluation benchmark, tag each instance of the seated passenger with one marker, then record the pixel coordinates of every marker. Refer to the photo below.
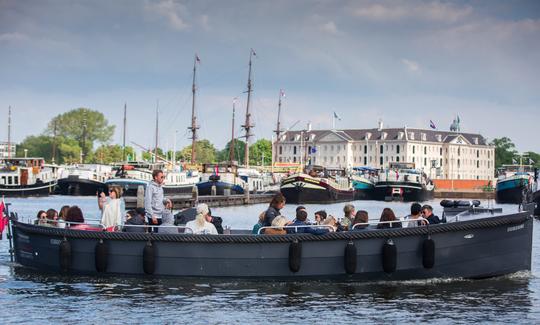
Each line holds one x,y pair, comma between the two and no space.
416,212
349,212
388,215
75,220
62,216
134,219
52,218
279,221
258,225
167,219
320,216
41,218
201,225
332,222
301,217
360,221
216,221
427,211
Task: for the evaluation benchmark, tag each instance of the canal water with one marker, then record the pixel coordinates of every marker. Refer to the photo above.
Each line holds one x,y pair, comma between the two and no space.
26,296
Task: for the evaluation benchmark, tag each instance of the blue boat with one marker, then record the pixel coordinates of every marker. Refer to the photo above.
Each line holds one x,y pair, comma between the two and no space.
223,177
515,184
363,181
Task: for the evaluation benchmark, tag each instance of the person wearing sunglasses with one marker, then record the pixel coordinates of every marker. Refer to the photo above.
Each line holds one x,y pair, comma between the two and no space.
153,199
112,208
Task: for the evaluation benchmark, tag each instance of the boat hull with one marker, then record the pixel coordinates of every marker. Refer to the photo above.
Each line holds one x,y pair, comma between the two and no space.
38,189
73,185
468,249
301,191
511,191
205,188
401,191
363,190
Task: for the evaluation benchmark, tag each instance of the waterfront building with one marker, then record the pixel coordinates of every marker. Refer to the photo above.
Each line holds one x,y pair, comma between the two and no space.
4,151
440,154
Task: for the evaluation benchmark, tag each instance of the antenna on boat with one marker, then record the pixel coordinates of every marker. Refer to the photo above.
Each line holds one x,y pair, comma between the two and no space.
54,141
9,132
278,126
231,145
194,126
247,126
83,149
124,134
157,131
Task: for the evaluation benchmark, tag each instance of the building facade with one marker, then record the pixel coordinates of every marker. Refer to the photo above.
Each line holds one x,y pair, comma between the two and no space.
4,149
440,154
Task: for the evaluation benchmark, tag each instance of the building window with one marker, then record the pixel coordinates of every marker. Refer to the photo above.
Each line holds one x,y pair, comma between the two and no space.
397,148
365,161
478,164
381,161
365,149
440,164
413,149
370,159
280,150
294,151
425,150
458,163
425,161
397,158
458,151
294,159
412,159
382,149
440,151
331,148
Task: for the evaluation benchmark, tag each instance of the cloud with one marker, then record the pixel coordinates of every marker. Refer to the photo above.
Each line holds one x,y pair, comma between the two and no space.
204,22
13,37
412,66
434,11
172,10
329,27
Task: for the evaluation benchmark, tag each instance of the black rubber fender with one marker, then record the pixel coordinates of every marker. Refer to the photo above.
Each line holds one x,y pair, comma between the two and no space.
389,256
428,253
295,256
102,256
350,258
149,258
65,256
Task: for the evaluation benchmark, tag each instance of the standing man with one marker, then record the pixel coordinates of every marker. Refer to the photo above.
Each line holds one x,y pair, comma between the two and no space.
153,199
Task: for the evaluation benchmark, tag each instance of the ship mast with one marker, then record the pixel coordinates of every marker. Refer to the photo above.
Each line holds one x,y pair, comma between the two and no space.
54,141
9,133
124,134
194,126
231,144
157,131
247,126
278,126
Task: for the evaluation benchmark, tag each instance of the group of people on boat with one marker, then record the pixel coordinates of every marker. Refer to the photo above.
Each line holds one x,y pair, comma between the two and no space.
272,222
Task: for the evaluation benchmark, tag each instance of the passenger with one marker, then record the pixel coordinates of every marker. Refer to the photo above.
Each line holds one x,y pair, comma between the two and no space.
216,221
52,218
62,216
299,208
41,218
416,212
388,215
427,211
153,198
259,224
201,225
360,220
278,202
320,216
74,214
331,221
279,221
301,218
167,218
112,207
348,220
135,218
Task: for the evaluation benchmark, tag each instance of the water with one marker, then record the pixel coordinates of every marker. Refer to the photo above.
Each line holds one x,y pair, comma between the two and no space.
29,297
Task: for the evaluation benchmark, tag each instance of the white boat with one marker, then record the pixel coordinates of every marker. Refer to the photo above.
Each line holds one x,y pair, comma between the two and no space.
26,177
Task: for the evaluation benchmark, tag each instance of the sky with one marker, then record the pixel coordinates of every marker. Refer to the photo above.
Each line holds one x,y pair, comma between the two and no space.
402,62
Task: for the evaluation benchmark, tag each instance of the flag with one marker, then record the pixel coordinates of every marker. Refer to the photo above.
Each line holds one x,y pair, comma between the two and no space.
197,58
3,219
313,149
216,170
336,116
514,161
281,93
531,161
253,52
432,125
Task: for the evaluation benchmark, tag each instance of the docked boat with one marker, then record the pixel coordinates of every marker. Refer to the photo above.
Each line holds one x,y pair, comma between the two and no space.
476,246
26,177
515,184
402,182
83,179
363,181
131,175
221,179
317,185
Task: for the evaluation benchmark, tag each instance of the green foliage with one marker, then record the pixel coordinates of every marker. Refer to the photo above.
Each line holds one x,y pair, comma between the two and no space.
239,152
205,150
83,125
535,158
505,150
149,155
259,150
107,154
67,150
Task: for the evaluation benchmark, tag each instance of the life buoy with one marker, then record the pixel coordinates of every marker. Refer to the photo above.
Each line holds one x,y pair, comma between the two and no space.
295,255
389,256
149,258
65,256
428,253
101,256
350,258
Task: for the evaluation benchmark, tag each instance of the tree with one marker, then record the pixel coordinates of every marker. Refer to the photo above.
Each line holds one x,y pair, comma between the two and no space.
67,150
505,150
259,150
84,126
107,154
239,152
149,155
535,158
206,152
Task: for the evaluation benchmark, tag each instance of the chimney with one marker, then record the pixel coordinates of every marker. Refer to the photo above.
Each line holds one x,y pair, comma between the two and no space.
380,125
309,126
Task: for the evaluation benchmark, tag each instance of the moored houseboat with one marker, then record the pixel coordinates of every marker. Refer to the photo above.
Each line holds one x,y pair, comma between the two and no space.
402,182
515,183
363,180
82,179
26,177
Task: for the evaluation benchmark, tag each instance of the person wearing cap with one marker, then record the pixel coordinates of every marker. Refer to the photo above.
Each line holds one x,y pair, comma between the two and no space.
427,211
201,225
416,212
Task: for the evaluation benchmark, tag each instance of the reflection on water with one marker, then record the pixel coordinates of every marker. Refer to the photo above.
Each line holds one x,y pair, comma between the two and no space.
50,298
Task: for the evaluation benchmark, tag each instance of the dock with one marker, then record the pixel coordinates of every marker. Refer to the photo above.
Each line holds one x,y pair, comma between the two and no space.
188,201
473,195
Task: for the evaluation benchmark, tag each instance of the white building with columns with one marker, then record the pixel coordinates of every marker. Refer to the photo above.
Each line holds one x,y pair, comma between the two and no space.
440,154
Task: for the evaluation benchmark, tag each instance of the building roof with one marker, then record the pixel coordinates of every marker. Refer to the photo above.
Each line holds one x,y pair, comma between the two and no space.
404,133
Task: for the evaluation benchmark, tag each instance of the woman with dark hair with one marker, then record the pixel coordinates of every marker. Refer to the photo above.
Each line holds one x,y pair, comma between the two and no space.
74,214
278,202
388,215
41,218
361,218
62,216
112,207
52,218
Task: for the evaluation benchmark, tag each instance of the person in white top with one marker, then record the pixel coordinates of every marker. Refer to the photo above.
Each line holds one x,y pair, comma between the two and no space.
112,207
201,224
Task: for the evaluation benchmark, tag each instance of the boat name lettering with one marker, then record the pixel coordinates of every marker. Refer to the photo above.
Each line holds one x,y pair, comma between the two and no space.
55,241
514,228
309,180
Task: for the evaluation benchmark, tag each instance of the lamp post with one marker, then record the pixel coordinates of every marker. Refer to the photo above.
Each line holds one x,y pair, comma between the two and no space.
25,153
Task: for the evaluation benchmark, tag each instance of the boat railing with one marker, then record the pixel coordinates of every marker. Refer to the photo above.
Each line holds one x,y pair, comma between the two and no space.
94,223
375,223
161,227
330,228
